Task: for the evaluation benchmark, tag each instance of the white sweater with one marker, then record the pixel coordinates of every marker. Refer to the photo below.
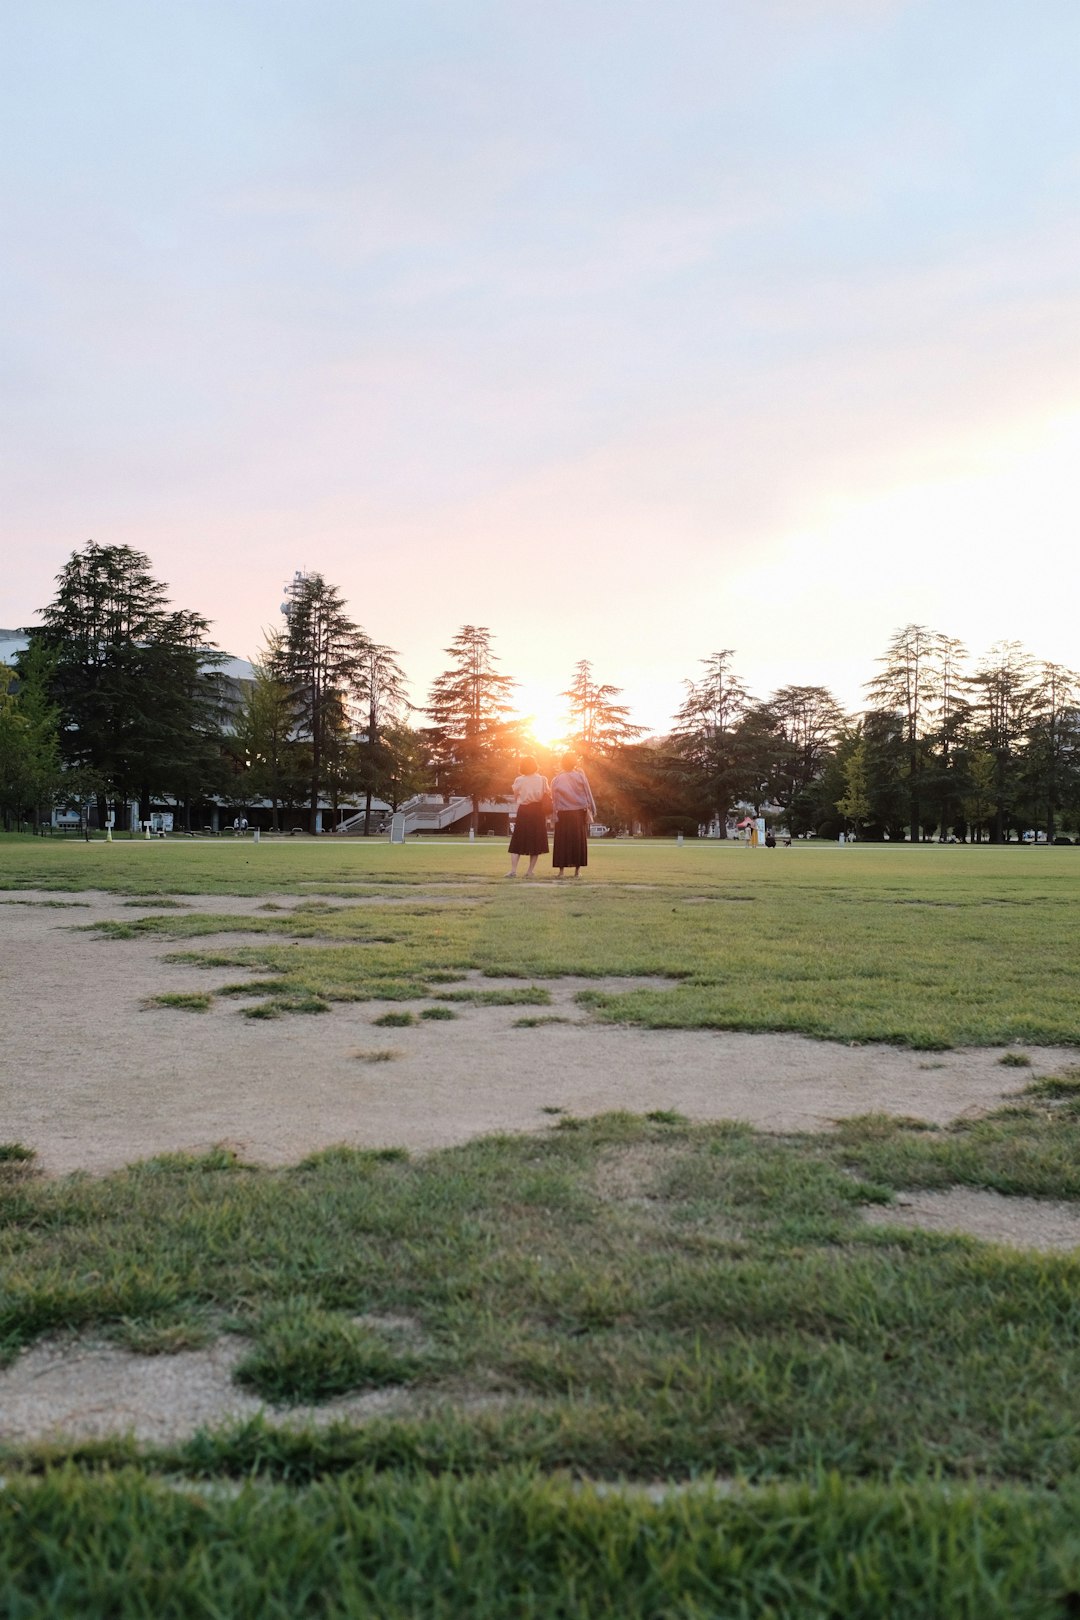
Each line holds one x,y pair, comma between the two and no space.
529,789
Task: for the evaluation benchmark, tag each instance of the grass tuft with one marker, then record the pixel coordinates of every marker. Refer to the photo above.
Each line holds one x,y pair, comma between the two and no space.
304,1353
184,1000
16,1153
532,996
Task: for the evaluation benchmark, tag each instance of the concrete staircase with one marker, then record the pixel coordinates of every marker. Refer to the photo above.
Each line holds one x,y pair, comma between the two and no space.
426,812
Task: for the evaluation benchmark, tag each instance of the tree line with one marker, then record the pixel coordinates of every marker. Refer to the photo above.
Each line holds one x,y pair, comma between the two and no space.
119,697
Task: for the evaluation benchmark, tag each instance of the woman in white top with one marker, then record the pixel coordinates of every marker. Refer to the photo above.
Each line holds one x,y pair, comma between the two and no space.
530,817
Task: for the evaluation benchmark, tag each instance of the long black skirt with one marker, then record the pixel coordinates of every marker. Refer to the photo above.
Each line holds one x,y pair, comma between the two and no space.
571,839
529,836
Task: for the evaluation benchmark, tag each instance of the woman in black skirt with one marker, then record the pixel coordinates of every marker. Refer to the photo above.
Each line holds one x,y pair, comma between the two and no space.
575,807
530,817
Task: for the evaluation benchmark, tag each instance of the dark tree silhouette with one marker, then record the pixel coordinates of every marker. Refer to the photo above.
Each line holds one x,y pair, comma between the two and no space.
469,705
136,682
320,658
705,730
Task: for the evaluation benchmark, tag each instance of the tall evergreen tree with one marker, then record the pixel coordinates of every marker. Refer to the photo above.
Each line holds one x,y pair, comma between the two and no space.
274,763
945,783
598,724
384,703
1052,766
905,687
785,743
1004,696
469,706
706,731
319,658
135,681
600,730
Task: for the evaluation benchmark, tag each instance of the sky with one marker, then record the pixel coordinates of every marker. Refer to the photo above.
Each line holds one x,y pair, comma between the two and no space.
631,330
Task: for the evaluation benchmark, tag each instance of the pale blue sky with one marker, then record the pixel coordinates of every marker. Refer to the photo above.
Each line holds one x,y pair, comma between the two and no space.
630,330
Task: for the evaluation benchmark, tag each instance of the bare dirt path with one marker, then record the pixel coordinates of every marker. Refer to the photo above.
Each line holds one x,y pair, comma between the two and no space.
91,1080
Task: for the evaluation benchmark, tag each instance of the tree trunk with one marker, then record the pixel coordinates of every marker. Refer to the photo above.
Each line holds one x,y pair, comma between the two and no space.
316,763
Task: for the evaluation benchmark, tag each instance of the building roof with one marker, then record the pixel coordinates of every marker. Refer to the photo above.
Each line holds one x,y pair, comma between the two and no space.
13,642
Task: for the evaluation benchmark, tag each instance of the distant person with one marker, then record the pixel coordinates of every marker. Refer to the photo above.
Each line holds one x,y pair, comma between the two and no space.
574,806
770,839
531,804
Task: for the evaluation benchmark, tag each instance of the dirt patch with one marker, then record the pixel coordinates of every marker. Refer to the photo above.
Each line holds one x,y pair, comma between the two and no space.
1023,1223
628,1175
92,1082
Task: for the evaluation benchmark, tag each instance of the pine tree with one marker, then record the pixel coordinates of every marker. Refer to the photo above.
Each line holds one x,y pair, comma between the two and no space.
272,761
384,703
598,725
905,687
1053,745
1003,704
319,659
705,729
135,682
469,706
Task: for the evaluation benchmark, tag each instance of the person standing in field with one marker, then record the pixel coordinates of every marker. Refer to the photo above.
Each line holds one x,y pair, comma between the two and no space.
529,837
574,806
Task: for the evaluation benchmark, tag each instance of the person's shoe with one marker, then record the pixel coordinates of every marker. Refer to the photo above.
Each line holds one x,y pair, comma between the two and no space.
511,874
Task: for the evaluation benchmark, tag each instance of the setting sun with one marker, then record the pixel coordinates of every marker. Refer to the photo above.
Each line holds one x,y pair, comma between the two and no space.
544,716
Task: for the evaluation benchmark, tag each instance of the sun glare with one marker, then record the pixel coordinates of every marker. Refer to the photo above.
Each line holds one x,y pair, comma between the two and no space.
544,718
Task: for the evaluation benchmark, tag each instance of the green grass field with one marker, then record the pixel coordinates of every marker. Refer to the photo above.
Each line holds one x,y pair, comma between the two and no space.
929,947
879,1422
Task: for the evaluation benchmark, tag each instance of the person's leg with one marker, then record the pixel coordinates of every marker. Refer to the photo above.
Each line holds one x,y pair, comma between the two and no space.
532,865
513,865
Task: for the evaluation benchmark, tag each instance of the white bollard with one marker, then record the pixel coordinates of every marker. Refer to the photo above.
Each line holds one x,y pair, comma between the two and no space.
679,839
472,835
256,835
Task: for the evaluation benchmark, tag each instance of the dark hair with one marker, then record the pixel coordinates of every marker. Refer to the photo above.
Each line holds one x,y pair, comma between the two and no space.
568,762
527,765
